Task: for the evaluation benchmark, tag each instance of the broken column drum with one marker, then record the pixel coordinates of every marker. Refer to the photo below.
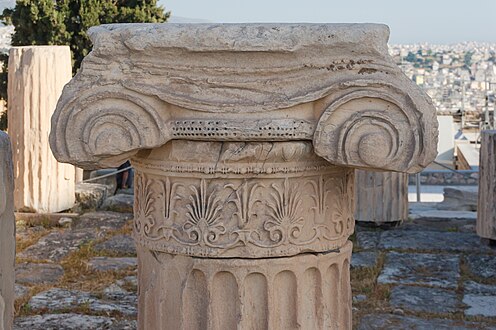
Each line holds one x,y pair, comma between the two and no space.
7,234
244,138
486,209
381,197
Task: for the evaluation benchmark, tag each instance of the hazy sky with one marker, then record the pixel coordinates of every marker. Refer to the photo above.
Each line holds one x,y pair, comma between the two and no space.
434,21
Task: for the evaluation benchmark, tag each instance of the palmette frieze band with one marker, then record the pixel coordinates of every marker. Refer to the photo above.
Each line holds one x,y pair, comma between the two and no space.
259,216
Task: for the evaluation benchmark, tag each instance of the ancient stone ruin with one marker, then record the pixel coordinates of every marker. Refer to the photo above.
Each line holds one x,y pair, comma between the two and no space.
7,234
486,211
244,138
37,75
381,197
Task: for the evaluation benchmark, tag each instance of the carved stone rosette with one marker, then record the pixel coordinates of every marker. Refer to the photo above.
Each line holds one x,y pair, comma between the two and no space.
244,138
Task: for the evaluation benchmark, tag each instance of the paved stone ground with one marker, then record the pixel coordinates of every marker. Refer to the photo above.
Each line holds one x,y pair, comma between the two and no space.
431,272
428,273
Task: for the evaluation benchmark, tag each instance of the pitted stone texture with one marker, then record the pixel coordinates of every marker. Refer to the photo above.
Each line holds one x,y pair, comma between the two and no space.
37,75
7,234
257,200
272,293
420,268
33,273
482,265
90,196
296,82
423,299
368,240
381,197
395,322
69,321
60,299
58,244
486,217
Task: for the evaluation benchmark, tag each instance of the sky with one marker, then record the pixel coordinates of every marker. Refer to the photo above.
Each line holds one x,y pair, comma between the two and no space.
413,21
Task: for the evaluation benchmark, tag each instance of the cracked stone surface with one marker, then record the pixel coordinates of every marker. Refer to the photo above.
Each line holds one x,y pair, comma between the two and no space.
103,220
423,299
421,268
69,321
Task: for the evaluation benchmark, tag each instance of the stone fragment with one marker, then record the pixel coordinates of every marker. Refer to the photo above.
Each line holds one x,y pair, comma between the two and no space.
119,245
103,220
461,198
37,75
58,244
33,273
439,215
90,196
363,259
381,197
479,305
421,269
486,219
119,203
483,266
66,321
431,241
61,299
7,234
424,299
104,264
395,322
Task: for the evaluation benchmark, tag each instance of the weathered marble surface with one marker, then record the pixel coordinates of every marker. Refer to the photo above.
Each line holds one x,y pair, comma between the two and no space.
381,197
486,215
244,138
7,234
37,75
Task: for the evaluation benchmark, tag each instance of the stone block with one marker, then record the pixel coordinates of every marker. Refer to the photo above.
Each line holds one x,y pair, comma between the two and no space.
90,196
462,198
424,299
37,75
486,216
7,234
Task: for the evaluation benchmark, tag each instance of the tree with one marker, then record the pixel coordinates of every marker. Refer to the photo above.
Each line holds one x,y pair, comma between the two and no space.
65,22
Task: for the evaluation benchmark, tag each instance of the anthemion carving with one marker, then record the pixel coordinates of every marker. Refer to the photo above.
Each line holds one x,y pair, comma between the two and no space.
244,138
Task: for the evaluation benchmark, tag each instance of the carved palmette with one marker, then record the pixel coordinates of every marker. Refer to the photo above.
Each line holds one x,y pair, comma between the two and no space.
243,215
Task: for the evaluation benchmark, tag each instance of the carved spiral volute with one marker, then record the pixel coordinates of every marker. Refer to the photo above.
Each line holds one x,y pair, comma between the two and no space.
372,128
104,127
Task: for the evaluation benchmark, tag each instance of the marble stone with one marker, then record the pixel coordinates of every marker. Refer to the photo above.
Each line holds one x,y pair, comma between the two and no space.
368,239
381,197
66,321
483,266
486,217
364,259
37,75
424,299
437,270
431,241
119,203
462,198
244,139
395,322
7,234
104,264
90,196
58,244
119,245
34,273
104,221
480,305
